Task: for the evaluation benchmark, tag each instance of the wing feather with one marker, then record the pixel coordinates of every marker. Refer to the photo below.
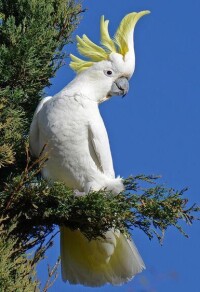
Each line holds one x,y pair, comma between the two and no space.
98,141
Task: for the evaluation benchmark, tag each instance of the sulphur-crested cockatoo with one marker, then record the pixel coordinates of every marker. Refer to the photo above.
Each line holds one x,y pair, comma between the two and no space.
71,126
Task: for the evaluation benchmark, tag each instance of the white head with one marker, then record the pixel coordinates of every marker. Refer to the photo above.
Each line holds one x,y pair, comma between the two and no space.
111,66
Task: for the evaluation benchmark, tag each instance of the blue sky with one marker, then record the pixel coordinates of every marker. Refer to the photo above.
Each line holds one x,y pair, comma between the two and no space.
154,130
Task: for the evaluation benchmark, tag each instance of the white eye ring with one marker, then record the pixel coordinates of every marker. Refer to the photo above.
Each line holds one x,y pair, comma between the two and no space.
108,73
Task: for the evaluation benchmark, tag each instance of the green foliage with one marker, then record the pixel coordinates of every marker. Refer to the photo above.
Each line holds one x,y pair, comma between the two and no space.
17,273
32,36
39,208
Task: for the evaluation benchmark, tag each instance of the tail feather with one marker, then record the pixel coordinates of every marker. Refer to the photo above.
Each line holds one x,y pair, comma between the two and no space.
113,260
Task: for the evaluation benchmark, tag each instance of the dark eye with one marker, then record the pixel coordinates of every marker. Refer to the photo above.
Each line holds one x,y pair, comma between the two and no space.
108,72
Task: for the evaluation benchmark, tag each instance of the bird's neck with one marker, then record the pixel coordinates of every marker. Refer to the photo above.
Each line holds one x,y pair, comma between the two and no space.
87,88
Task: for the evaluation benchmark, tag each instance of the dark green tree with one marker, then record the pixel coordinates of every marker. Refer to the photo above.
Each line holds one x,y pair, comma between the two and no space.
32,36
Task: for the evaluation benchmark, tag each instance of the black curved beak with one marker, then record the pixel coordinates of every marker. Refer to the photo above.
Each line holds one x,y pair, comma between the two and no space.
120,87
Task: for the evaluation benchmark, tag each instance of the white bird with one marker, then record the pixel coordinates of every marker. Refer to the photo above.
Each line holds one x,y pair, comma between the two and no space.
79,155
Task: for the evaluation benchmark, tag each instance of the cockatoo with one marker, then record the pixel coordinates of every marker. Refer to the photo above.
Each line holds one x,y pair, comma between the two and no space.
79,155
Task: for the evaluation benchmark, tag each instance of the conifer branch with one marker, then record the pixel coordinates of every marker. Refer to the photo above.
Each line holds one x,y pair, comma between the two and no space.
52,275
37,208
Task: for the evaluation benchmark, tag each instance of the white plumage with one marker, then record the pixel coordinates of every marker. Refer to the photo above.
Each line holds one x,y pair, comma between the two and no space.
78,150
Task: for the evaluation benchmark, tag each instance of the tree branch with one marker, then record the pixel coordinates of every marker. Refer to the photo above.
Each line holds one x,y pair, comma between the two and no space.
37,208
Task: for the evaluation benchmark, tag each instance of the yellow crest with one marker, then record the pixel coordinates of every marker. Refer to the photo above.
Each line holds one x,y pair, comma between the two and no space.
119,44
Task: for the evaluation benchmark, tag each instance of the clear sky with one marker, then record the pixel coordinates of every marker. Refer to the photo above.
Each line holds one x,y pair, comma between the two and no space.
154,130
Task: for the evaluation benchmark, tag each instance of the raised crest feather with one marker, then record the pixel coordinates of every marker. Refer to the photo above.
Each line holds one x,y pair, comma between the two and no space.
106,41
122,42
79,65
90,50
126,27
